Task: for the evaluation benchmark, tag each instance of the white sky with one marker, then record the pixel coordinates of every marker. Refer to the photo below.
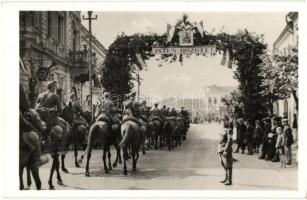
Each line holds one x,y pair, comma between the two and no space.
187,79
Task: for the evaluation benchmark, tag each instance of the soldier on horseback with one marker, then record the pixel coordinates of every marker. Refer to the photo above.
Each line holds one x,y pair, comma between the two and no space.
48,105
133,110
79,116
108,109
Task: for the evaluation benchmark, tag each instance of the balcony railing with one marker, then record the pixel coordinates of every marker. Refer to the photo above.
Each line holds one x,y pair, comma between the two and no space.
79,57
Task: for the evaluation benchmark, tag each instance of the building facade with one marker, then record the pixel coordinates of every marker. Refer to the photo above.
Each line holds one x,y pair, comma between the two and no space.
287,40
51,49
214,105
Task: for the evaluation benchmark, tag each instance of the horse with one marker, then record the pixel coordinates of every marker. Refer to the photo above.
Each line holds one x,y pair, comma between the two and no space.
54,141
55,146
179,131
30,120
169,128
156,126
76,137
102,130
131,137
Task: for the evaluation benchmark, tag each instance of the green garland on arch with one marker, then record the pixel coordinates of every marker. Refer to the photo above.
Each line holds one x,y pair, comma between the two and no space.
245,49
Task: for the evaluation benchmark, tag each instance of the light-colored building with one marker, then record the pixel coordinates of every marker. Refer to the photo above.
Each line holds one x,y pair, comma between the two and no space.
213,98
287,39
53,39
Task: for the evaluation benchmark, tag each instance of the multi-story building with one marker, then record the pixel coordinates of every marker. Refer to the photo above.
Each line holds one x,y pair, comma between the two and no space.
214,105
51,49
287,40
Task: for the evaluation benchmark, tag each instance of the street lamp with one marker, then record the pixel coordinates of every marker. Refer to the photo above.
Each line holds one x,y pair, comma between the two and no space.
90,18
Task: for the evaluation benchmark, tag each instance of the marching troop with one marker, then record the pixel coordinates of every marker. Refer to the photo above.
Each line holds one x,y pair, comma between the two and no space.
54,126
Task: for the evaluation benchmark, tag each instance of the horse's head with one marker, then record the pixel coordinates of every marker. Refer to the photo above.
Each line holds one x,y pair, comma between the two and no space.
33,116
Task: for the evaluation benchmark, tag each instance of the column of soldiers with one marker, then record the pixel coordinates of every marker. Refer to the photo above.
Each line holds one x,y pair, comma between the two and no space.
271,138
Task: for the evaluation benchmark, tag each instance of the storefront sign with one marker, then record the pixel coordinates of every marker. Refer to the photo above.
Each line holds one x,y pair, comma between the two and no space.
207,49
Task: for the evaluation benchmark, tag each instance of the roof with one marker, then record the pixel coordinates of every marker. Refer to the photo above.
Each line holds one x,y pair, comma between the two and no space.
220,89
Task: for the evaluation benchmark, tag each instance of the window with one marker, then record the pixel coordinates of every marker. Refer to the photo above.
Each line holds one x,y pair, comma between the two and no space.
60,29
49,21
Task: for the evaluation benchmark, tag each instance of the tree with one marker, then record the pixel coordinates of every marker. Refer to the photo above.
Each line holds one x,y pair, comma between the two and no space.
245,50
280,74
234,104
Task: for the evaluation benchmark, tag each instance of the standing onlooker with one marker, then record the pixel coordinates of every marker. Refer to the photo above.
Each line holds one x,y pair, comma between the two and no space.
265,143
248,136
257,136
288,141
277,124
280,146
241,128
294,128
225,151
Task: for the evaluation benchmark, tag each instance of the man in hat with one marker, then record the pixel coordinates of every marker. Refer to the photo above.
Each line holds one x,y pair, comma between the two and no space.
49,105
288,140
248,136
264,140
272,137
225,151
258,134
241,128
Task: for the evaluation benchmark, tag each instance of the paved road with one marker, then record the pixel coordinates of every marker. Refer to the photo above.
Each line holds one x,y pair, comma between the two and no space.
191,166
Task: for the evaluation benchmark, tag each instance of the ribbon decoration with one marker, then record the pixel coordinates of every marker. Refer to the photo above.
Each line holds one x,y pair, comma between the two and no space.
170,30
140,60
227,58
200,28
224,57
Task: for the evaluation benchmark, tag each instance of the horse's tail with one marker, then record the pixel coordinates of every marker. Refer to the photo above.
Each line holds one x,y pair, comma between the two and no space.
89,141
124,132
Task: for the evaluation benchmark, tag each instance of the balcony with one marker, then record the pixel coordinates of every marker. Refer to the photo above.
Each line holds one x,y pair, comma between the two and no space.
78,57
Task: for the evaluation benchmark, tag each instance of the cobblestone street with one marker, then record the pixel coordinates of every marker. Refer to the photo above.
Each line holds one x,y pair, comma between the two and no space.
194,165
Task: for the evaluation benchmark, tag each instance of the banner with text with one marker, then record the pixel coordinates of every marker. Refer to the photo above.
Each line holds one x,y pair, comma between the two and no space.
206,49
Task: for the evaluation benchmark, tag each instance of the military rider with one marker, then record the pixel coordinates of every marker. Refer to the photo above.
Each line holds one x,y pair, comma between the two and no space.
48,105
132,110
156,111
173,112
164,112
109,109
79,115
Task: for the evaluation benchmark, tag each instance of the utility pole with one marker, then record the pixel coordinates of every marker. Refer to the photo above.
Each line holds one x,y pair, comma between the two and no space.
138,79
90,18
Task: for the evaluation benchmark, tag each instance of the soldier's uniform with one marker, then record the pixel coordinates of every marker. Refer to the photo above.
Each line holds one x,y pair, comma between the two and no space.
45,104
225,154
156,111
49,107
78,113
173,113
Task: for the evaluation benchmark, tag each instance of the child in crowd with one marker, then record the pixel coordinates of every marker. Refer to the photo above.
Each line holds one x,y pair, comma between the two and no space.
280,147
